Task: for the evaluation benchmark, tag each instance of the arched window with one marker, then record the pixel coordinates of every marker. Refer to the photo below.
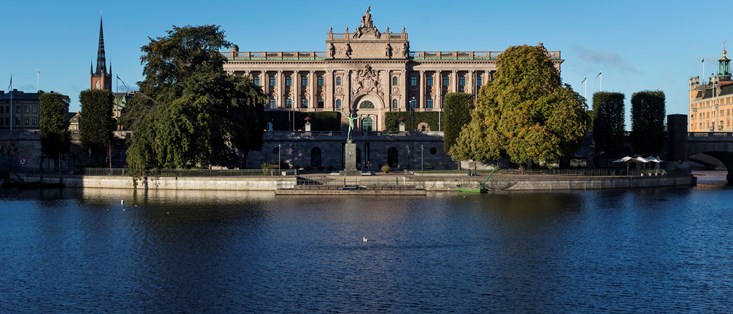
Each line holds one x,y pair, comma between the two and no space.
394,81
394,103
338,103
366,105
338,81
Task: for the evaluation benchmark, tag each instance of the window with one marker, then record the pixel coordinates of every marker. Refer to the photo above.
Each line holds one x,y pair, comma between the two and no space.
338,81
429,80
26,120
446,81
26,109
273,103
461,80
320,80
394,103
303,80
304,103
366,105
320,103
289,103
394,81
478,81
256,80
35,121
429,104
338,103
288,80
413,80
272,80
34,109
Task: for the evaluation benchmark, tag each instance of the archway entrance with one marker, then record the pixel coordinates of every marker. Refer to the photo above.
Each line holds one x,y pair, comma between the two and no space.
392,157
367,124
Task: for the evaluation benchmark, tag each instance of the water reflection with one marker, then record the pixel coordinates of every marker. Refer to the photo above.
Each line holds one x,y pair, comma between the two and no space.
645,250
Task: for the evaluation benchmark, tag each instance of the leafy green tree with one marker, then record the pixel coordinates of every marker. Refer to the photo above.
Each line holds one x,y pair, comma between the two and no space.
54,125
647,122
457,115
96,123
189,112
608,121
525,114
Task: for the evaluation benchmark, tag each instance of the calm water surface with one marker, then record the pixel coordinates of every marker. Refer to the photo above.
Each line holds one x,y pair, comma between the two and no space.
658,250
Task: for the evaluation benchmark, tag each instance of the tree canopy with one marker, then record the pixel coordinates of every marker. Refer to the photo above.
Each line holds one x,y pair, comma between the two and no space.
96,123
54,124
525,113
608,121
647,122
457,108
189,112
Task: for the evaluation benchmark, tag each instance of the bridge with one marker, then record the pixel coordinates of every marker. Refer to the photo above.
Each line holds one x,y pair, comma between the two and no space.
718,145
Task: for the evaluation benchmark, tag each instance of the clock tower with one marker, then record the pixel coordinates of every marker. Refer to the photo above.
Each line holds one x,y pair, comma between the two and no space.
101,78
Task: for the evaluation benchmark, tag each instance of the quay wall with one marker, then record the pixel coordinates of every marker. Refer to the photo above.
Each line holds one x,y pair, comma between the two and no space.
436,183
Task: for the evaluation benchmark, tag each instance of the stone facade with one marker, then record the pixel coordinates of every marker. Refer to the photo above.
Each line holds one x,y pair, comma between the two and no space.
366,73
711,103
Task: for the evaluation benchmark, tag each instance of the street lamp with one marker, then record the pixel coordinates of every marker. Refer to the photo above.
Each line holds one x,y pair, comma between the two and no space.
278,160
413,104
422,159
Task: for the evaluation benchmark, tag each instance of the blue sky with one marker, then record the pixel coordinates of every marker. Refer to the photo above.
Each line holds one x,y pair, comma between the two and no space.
638,45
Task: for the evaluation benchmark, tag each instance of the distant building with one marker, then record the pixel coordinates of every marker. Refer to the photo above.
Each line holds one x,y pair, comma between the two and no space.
25,113
711,102
368,72
100,78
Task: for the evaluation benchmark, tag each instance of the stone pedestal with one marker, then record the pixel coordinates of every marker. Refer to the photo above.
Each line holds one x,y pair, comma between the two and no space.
350,160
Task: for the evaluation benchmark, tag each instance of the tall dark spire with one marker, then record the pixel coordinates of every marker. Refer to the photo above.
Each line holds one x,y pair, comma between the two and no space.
101,60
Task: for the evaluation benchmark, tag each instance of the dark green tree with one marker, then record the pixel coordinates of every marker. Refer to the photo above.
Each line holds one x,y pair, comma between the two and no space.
96,123
647,122
525,114
608,121
54,125
457,108
190,113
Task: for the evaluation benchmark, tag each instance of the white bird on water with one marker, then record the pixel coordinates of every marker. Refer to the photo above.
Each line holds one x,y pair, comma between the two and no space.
122,202
364,239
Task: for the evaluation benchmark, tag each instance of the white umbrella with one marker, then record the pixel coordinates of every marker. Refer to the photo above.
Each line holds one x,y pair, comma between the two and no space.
625,159
642,159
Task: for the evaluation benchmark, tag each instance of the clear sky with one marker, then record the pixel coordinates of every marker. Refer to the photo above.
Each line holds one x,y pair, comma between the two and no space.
638,45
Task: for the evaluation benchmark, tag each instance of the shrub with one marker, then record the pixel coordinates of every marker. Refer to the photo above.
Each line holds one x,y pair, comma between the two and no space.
386,168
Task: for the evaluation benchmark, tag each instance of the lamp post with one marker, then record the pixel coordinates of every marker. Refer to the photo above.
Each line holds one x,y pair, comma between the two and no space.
422,159
413,103
278,160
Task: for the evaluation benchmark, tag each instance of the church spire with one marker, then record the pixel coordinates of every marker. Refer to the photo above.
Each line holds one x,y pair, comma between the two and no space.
101,60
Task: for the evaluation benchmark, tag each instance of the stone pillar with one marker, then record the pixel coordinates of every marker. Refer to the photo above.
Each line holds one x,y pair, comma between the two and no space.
403,104
280,82
347,101
454,81
312,82
296,88
265,84
328,98
470,82
421,81
439,90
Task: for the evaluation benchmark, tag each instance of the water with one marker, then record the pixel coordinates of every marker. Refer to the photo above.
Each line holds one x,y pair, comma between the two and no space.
657,250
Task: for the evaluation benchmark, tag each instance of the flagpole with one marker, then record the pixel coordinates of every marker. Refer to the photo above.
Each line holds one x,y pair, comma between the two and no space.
585,88
702,78
38,80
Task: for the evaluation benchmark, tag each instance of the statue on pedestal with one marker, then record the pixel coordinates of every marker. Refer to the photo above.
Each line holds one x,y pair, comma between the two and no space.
352,121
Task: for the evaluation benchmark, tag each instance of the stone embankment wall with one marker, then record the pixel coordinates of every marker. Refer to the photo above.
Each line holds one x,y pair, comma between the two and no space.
433,183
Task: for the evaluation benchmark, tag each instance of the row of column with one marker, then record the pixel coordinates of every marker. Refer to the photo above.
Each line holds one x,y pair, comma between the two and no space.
329,82
438,83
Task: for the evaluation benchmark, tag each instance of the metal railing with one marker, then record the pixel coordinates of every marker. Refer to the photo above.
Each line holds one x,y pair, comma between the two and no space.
351,184
192,172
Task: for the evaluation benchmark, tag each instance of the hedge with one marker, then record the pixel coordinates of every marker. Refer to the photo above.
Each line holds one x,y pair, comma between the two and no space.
412,120
320,121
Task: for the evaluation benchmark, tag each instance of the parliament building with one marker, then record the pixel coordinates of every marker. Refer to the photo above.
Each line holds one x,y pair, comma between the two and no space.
365,72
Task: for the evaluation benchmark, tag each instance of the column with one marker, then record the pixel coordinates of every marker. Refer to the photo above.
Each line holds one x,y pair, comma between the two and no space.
403,105
280,82
421,81
470,82
296,88
454,81
313,83
347,81
439,90
265,85
328,99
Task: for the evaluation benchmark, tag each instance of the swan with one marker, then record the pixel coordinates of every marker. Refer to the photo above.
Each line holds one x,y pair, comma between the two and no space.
364,239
